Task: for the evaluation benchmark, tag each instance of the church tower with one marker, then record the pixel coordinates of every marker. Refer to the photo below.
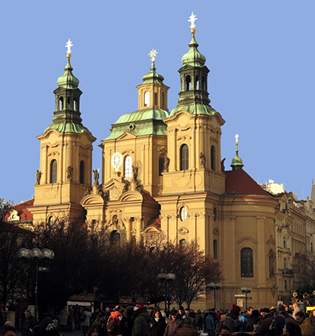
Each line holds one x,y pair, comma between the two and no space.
195,180
65,155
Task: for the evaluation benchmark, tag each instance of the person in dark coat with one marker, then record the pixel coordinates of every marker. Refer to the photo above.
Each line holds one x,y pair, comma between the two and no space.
28,323
262,329
174,322
126,323
158,324
187,329
141,321
232,321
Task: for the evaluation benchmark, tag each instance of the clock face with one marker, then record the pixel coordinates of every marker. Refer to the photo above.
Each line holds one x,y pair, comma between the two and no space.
117,160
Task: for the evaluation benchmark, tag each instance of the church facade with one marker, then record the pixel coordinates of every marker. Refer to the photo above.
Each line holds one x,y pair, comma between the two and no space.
162,177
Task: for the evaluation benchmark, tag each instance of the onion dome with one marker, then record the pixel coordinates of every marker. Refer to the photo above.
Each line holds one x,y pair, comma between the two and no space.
193,57
68,80
237,162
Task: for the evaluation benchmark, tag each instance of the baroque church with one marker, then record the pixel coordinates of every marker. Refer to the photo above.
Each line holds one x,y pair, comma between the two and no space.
162,177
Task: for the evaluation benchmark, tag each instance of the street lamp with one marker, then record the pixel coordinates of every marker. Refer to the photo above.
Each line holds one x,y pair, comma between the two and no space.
214,286
166,278
246,291
36,254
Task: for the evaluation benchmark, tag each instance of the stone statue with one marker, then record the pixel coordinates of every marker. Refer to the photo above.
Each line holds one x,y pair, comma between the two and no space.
69,173
96,176
135,171
222,165
166,163
38,176
202,160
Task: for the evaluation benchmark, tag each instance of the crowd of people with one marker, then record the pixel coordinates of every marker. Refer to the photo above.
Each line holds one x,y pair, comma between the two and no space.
140,320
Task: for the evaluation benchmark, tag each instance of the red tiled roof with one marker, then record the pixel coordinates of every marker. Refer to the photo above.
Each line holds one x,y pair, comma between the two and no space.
22,210
239,182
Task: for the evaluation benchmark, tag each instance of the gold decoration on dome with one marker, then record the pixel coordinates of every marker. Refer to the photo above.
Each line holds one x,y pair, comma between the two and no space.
68,45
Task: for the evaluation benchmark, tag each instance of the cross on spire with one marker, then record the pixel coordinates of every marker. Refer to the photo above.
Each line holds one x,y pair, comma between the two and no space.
192,20
68,45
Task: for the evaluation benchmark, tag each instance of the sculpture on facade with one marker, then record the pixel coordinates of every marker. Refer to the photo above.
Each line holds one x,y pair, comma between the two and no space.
38,176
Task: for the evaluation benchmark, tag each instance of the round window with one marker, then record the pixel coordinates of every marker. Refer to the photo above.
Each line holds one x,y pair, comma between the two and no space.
183,213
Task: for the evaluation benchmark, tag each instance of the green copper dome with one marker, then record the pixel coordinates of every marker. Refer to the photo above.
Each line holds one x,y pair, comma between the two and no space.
152,76
68,80
237,162
193,57
139,123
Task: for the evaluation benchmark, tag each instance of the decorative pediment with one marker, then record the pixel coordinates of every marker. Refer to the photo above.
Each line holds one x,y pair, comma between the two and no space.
115,188
248,239
91,200
126,136
183,231
131,196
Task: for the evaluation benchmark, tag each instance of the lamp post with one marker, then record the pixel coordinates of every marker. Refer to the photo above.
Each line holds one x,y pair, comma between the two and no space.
166,278
214,286
36,254
246,290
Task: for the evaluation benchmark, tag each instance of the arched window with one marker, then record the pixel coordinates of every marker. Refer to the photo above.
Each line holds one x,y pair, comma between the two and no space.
215,249
212,157
114,237
128,166
215,214
82,171
161,165
75,104
60,103
155,98
203,83
197,83
188,83
53,171
247,263
146,98
184,158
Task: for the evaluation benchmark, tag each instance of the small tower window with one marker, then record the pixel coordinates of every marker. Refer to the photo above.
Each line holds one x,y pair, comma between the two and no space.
212,157
184,157
60,103
161,165
197,83
82,171
147,98
53,171
203,83
75,104
128,166
155,98
163,100
188,83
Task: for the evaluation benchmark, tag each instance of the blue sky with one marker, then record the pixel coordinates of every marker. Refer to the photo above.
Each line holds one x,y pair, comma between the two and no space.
261,56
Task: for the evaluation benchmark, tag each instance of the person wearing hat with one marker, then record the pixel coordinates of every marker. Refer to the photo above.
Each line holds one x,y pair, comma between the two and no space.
187,329
173,323
141,321
262,329
232,321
